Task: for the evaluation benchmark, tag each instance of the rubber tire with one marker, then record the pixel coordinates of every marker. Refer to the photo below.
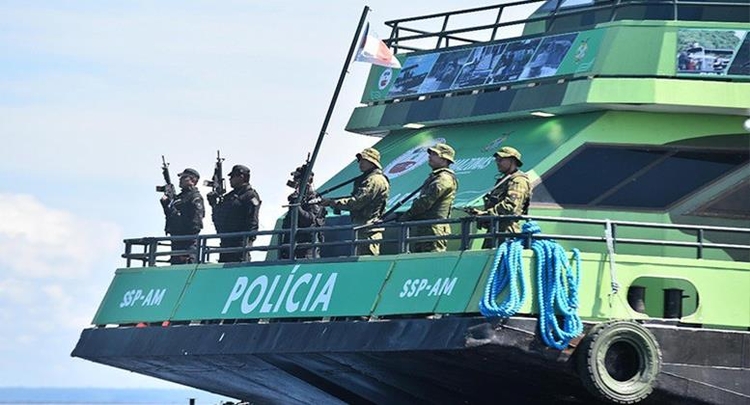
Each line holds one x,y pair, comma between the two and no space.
593,371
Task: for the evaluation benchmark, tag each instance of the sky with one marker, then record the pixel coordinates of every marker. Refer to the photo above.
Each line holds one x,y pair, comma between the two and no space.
93,93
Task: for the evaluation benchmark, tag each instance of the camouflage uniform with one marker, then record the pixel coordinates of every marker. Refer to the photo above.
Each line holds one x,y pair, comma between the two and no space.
510,196
435,201
367,202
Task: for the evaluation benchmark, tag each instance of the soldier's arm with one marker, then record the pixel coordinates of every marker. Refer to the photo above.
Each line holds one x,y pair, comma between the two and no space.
512,203
170,211
425,201
306,216
253,212
197,211
361,197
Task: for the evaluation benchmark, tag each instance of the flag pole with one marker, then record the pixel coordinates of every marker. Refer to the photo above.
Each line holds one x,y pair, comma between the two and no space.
323,129
308,170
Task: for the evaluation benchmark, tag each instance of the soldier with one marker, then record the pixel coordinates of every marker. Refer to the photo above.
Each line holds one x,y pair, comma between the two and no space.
510,196
236,211
308,216
367,201
435,199
184,215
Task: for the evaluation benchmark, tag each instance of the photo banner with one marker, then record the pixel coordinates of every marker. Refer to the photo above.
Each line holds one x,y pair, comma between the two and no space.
713,52
487,65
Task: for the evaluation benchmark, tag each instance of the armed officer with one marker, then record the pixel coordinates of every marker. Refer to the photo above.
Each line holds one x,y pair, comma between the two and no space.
309,215
435,199
510,196
184,215
367,201
236,211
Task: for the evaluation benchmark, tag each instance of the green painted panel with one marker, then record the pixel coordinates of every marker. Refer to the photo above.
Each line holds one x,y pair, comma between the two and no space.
404,155
417,282
451,282
466,273
146,294
290,290
583,54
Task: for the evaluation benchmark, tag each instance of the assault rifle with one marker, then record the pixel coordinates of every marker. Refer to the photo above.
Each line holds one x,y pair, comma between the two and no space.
217,181
318,199
390,215
168,187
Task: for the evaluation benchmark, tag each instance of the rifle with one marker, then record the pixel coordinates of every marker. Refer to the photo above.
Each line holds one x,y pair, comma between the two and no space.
168,187
217,181
318,199
384,217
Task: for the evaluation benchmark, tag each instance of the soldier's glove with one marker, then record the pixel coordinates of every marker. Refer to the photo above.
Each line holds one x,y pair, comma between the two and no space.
213,198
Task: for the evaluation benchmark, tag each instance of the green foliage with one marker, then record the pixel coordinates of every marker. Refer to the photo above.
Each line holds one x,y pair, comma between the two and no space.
712,39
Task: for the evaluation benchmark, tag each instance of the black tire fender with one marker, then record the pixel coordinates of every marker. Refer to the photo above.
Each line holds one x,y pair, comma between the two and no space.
619,361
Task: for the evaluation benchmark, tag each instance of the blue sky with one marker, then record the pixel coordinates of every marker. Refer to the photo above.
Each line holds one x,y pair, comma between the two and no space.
93,93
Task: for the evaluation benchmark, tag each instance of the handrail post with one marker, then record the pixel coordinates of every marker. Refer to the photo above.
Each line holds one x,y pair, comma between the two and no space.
402,235
465,231
315,241
293,231
493,232
393,40
551,18
700,243
152,252
128,250
497,21
440,36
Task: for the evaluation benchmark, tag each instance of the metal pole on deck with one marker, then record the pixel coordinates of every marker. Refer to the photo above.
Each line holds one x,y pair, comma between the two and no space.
303,186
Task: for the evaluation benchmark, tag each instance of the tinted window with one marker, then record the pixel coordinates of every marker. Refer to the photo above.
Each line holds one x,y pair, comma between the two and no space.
673,178
733,204
629,177
594,171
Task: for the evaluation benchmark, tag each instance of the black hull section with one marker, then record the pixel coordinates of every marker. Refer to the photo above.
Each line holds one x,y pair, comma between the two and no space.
450,360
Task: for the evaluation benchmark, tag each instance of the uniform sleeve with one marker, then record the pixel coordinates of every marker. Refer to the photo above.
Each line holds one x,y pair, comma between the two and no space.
427,198
196,216
512,203
170,213
308,215
361,197
253,210
169,209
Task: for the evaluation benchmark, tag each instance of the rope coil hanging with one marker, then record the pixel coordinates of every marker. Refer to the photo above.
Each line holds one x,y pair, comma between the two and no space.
557,286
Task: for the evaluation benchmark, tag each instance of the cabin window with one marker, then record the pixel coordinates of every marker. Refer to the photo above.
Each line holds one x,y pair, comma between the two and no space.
731,204
652,178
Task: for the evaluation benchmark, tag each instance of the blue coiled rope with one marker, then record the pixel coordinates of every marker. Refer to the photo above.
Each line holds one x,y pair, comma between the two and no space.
507,269
557,287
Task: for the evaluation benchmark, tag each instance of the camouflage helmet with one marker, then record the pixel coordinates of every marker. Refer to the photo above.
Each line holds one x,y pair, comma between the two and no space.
444,151
507,151
371,155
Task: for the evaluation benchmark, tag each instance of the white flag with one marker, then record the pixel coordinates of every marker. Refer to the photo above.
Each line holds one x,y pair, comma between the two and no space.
375,51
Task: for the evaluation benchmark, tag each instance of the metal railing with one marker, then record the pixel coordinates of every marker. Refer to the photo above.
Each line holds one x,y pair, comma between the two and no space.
149,251
404,32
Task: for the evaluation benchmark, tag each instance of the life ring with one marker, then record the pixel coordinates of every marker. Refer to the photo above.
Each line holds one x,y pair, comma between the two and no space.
619,361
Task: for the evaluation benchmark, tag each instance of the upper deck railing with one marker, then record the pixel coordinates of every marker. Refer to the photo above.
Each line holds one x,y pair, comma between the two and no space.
489,23
151,250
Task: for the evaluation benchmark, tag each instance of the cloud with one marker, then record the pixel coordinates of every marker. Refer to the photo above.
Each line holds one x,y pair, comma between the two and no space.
41,242
54,269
